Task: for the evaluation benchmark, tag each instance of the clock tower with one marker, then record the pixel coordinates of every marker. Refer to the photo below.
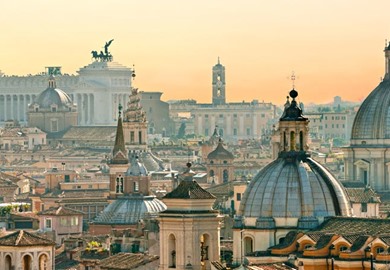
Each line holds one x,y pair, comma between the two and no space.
219,93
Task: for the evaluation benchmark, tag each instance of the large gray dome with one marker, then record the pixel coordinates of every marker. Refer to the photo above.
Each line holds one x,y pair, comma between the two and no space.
288,187
372,121
130,210
53,96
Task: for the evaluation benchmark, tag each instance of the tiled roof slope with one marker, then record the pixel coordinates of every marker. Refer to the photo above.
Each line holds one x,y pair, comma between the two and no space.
220,153
346,225
189,190
126,261
24,238
60,211
362,195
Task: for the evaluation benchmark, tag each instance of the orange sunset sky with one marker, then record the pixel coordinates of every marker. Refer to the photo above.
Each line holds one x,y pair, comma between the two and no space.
335,47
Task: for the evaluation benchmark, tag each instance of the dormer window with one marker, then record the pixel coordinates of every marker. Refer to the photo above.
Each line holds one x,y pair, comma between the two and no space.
54,108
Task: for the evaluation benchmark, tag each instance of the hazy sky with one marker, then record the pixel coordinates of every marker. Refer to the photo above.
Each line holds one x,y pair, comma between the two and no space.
335,47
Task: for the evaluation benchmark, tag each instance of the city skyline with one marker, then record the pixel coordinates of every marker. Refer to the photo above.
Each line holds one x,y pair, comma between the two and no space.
334,48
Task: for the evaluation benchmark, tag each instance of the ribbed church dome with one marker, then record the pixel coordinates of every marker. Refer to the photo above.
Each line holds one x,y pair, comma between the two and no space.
294,187
372,121
130,210
53,96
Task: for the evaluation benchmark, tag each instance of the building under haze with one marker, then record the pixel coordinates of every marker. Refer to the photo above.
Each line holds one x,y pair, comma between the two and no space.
235,120
367,159
97,89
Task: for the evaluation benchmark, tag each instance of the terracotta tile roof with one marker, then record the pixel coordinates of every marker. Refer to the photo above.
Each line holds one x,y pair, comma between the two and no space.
288,240
323,241
24,238
346,225
62,262
359,243
189,190
125,261
60,211
362,195
100,133
386,239
270,266
25,214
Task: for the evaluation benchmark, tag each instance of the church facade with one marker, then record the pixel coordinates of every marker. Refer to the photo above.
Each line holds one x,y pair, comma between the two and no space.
367,159
97,89
235,120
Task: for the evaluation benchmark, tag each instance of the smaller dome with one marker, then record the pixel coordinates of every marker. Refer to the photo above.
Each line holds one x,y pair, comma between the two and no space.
130,210
53,96
220,153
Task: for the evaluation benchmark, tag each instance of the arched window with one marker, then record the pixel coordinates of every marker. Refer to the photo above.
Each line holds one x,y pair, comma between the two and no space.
119,184
172,251
343,248
248,245
8,262
26,262
301,140
284,141
225,176
292,141
211,173
380,250
43,262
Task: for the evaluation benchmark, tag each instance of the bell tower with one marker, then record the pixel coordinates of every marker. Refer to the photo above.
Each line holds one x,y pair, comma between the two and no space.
189,228
219,84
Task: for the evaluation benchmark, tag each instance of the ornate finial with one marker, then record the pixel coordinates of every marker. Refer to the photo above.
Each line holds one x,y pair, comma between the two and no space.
293,94
219,61
293,78
133,73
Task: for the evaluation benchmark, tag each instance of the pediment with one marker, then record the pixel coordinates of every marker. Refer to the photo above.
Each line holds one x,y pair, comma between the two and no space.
362,163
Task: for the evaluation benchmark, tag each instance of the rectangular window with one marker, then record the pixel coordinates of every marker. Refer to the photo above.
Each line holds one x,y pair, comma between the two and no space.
206,132
140,137
131,136
364,207
54,125
63,221
248,131
136,186
48,223
235,132
238,196
74,221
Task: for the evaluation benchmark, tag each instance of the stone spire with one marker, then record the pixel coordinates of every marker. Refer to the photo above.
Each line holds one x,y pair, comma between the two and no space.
119,151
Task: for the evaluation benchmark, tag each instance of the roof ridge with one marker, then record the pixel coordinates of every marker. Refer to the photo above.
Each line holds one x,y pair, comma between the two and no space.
21,233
